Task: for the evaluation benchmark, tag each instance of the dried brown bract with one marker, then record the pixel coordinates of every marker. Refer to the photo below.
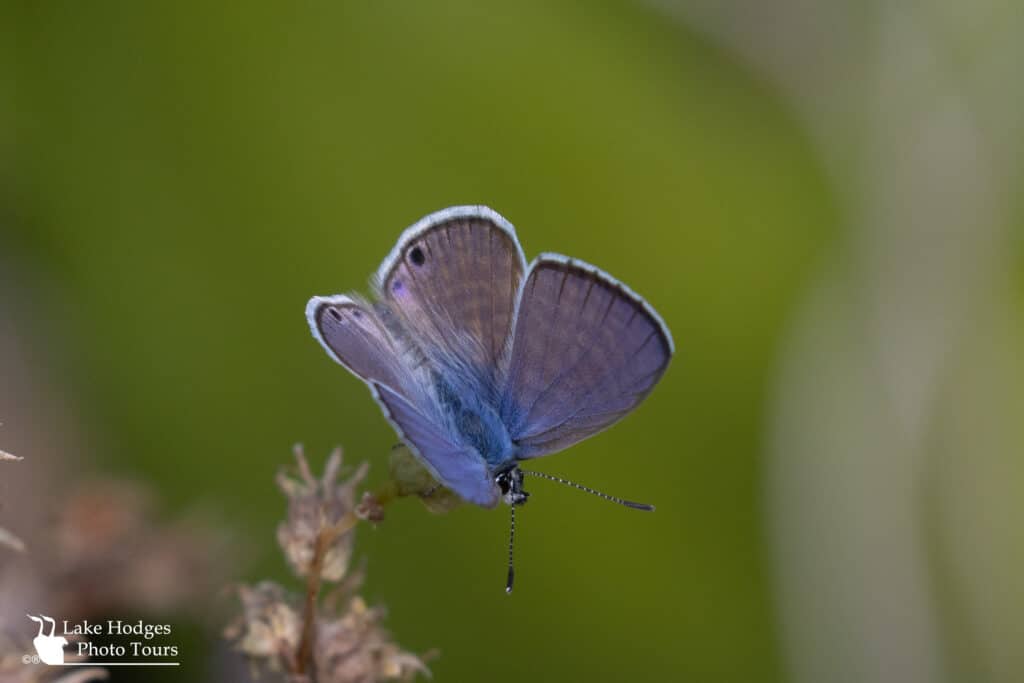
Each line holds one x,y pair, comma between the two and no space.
354,647
269,627
314,507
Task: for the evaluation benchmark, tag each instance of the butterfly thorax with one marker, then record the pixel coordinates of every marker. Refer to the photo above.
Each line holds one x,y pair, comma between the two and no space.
476,422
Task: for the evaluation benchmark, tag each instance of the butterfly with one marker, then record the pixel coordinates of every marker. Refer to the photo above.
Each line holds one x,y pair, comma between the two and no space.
481,361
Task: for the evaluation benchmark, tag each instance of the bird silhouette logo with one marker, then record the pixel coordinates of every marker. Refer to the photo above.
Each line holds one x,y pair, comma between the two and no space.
49,648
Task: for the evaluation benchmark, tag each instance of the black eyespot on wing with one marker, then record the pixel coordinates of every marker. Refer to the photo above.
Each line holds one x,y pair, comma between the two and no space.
417,257
334,314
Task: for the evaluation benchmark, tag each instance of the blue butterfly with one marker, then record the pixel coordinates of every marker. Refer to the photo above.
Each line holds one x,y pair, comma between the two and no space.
480,361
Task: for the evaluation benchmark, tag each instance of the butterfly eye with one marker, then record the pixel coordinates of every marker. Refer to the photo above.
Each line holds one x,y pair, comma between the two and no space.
417,257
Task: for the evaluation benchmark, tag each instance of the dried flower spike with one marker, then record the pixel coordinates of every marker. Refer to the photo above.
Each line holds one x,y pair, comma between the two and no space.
318,510
338,639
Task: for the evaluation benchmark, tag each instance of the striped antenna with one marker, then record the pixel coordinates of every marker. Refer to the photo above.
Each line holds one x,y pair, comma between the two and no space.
581,487
511,540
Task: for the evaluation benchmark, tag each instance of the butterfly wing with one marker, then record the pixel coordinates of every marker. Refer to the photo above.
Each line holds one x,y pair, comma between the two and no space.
458,467
354,335
586,351
452,281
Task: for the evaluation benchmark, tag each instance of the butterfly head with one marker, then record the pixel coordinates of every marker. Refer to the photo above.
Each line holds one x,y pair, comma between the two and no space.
510,483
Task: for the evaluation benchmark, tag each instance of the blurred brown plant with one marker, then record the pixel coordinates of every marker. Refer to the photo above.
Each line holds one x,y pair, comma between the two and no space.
340,640
13,667
106,528
105,554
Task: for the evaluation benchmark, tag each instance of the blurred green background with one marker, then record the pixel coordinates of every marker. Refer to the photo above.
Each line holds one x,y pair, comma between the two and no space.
821,203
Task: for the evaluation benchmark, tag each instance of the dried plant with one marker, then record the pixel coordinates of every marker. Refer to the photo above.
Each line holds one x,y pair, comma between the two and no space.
106,528
103,529
13,668
339,639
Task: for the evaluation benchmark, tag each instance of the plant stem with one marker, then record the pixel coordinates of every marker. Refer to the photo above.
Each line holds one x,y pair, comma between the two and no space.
304,655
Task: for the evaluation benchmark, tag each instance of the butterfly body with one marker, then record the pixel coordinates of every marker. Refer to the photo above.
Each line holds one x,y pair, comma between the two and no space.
476,421
480,361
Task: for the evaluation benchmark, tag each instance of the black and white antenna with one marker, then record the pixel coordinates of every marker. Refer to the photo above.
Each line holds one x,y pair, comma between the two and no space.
511,483
621,501
511,541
